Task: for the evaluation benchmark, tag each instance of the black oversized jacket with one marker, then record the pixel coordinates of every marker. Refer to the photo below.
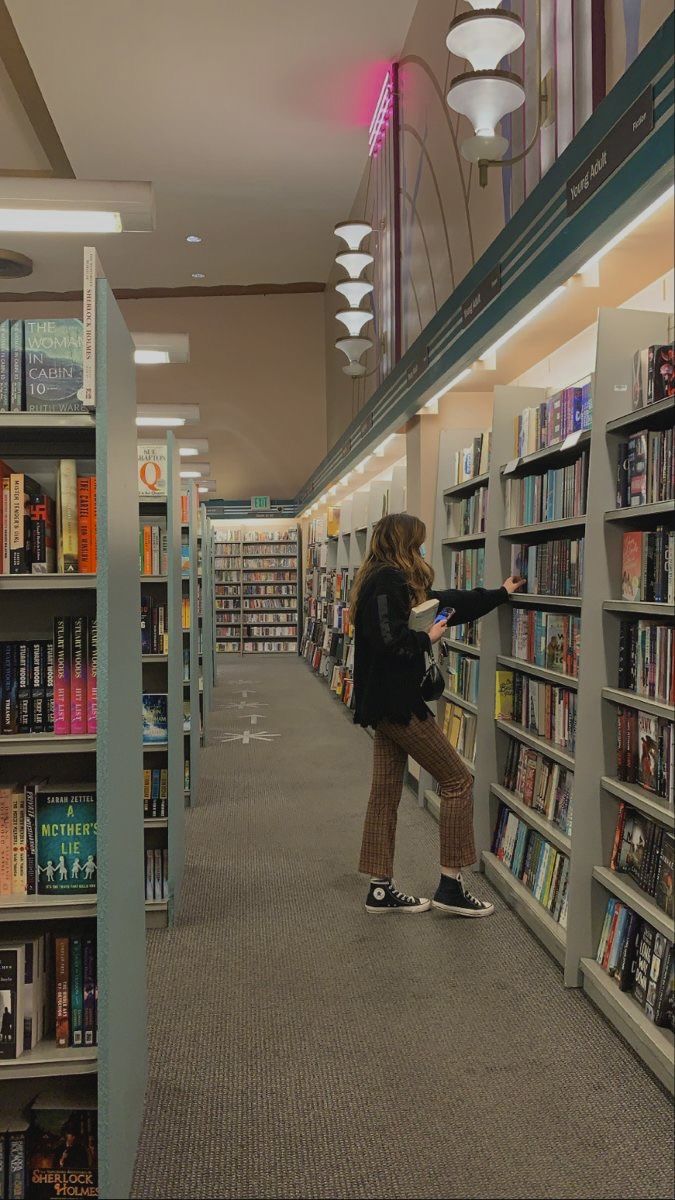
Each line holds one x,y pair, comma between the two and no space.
389,658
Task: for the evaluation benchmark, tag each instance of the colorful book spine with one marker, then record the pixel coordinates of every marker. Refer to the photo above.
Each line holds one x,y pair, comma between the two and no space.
92,668
76,992
62,675
66,505
16,401
62,991
78,675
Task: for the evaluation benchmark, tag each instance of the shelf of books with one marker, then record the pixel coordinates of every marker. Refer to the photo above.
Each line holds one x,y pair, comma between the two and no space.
72,953
255,569
208,614
458,559
162,664
336,546
573,731
192,723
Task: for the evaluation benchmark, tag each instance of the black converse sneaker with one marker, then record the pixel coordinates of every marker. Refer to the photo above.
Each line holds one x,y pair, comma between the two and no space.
453,896
384,897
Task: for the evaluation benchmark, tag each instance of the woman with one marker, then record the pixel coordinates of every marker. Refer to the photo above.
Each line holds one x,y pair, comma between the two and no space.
389,665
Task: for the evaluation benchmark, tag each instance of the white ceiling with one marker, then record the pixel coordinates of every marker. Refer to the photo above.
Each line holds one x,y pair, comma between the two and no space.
249,116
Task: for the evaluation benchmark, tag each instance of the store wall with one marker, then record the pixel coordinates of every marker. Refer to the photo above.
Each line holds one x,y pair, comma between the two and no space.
257,371
447,221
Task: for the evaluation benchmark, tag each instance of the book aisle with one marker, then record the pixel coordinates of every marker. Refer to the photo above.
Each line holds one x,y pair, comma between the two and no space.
561,703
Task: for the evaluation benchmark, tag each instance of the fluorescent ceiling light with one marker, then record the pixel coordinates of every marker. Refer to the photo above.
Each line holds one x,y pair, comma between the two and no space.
431,405
192,447
167,415
345,479
173,347
629,228
190,474
43,205
160,422
534,312
360,467
151,356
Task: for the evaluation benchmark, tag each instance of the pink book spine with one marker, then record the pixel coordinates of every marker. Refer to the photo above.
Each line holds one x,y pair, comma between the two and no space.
78,675
61,675
92,659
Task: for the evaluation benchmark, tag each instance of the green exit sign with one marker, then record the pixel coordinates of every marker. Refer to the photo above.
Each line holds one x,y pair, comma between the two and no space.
258,502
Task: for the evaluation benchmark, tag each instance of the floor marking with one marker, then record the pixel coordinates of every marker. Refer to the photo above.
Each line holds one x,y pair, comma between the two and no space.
248,736
246,704
252,717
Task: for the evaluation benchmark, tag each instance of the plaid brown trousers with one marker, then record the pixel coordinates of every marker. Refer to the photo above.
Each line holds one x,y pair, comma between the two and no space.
425,742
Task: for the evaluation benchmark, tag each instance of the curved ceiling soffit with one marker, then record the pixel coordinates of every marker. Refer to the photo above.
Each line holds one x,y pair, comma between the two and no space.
418,223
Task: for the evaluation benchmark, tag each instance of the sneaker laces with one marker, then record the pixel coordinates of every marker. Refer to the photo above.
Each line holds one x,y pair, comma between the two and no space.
469,895
402,896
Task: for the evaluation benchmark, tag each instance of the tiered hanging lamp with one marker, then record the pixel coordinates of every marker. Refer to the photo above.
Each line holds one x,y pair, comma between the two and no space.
354,289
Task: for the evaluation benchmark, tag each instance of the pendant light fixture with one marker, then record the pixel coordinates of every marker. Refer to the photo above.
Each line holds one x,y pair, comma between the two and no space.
488,93
353,233
354,319
354,348
354,261
354,291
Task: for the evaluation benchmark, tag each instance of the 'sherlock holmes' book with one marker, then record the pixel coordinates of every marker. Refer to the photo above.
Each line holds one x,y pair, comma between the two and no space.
53,365
62,1142
66,839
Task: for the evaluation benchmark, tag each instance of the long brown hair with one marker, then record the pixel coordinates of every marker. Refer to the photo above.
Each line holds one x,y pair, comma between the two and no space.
396,542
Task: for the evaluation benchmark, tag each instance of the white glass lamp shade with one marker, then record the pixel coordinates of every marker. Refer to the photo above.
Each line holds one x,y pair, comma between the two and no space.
354,347
354,262
485,97
353,232
485,38
354,319
354,291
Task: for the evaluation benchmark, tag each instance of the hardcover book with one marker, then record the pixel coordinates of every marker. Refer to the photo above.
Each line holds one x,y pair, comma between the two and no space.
631,565
53,365
62,1142
665,875
155,718
12,973
152,469
66,839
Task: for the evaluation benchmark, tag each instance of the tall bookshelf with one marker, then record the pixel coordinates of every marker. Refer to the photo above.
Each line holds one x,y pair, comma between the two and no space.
191,672
457,488
336,547
104,445
227,589
163,821
270,582
590,758
208,613
255,587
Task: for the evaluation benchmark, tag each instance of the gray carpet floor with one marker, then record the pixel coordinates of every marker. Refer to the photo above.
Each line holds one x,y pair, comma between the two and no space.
300,1048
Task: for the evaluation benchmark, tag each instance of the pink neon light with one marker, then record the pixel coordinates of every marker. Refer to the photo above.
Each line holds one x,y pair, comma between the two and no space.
382,115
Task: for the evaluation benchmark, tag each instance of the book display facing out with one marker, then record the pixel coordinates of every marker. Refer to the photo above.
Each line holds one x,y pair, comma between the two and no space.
571,684
162,665
72,939
255,582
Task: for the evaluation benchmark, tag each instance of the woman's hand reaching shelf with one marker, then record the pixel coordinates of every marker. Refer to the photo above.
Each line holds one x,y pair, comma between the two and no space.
513,583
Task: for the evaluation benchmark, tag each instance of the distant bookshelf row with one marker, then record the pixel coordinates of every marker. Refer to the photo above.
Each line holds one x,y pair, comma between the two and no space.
255,586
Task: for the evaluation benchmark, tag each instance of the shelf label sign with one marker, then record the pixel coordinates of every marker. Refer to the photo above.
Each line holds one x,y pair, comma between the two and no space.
622,139
418,367
571,440
260,502
511,466
482,295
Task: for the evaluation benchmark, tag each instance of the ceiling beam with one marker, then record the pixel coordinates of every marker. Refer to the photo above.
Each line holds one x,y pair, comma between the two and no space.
27,89
223,289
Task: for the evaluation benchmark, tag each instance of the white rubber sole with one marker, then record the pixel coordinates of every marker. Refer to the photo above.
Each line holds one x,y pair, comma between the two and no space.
415,908
463,912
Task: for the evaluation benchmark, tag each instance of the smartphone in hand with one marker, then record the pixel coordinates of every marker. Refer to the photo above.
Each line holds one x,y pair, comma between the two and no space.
444,615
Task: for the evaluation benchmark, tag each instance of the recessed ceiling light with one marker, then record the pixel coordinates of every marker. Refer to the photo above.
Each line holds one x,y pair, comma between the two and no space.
193,237
187,451
160,421
198,275
203,489
190,474
151,356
